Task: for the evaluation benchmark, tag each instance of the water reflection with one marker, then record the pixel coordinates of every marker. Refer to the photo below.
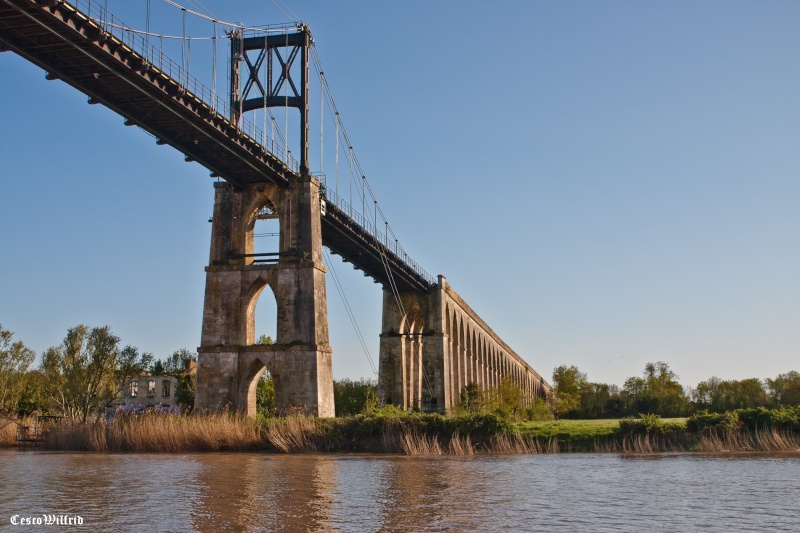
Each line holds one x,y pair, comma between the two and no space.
256,492
247,492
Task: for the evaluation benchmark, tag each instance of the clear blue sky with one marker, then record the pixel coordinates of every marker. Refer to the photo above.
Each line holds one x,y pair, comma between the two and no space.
606,183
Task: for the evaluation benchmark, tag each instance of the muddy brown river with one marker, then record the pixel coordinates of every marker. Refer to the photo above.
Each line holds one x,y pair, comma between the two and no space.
259,492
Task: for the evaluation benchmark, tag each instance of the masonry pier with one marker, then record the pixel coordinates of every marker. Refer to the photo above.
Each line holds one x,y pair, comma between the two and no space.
230,362
433,345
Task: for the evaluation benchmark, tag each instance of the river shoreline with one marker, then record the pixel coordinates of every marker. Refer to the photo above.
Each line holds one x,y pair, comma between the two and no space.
398,435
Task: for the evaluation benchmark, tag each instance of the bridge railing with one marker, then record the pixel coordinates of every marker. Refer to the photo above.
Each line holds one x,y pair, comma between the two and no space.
382,237
139,42
155,56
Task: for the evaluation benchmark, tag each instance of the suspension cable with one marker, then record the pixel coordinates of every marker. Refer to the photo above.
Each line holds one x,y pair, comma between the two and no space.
337,155
183,44
286,100
349,310
350,163
214,67
275,28
147,26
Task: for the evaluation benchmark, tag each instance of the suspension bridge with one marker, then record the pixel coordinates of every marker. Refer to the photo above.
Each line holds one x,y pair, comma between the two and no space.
432,343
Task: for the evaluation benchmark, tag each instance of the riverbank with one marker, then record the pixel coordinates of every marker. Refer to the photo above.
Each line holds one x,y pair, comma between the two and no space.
414,434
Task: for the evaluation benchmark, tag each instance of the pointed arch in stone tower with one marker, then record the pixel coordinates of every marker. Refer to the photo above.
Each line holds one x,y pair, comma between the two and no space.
229,361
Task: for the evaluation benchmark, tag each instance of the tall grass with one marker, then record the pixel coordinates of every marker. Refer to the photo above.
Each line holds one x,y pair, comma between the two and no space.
406,435
8,429
770,440
157,433
297,434
8,433
774,440
294,434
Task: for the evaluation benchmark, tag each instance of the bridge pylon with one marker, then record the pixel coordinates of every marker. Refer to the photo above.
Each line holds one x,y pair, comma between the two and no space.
413,371
230,362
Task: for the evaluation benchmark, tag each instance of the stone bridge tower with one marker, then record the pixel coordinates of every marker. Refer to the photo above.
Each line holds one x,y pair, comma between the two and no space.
230,362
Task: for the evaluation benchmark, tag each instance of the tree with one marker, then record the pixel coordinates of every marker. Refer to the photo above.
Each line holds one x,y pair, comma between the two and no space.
785,388
33,397
15,358
719,396
88,369
265,395
177,365
568,384
556,406
658,392
353,397
174,364
130,363
471,398
265,339
184,390
76,370
706,393
507,399
600,400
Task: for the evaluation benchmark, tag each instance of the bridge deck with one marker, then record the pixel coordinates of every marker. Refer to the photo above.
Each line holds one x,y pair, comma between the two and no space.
111,70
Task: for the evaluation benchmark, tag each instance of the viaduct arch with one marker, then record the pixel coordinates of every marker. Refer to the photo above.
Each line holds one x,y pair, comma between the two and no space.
433,345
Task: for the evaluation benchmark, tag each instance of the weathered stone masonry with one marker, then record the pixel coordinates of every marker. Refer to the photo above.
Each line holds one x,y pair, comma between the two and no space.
229,361
434,344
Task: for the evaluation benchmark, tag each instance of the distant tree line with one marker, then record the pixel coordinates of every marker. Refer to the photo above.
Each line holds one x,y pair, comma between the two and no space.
85,373
82,376
658,392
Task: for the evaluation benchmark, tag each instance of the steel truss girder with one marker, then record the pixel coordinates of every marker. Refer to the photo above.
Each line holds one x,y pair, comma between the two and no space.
267,95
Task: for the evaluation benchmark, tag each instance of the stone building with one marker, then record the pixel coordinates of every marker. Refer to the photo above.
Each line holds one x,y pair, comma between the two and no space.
149,391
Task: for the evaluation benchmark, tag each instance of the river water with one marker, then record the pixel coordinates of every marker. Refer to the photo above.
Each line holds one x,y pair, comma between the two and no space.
261,492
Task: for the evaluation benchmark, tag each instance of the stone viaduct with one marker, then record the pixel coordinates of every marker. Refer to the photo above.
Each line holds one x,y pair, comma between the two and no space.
432,343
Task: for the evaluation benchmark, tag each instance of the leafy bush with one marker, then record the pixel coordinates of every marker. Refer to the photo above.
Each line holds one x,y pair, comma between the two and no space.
507,401
479,425
705,421
353,397
787,418
753,419
649,424
540,411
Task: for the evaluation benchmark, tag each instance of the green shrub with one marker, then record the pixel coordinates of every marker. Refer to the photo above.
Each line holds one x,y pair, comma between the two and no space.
760,418
540,411
649,424
486,425
353,397
753,419
705,421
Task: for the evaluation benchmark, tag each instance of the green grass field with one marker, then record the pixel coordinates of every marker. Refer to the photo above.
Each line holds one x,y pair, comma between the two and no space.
575,430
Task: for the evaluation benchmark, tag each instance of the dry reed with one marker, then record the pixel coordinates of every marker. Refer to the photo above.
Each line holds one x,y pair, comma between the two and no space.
460,445
156,433
295,434
8,433
300,434
759,441
413,444
517,444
